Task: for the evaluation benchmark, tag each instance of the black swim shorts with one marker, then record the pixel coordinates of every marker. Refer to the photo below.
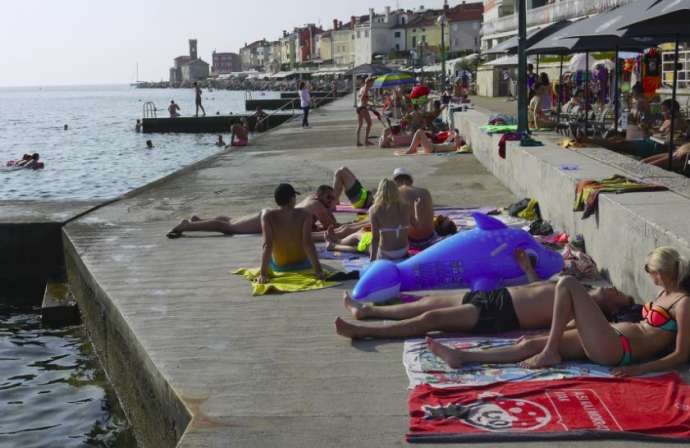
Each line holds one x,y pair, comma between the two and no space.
496,311
358,196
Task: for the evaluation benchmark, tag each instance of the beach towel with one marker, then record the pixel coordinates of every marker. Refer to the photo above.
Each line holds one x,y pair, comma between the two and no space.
654,408
345,208
499,128
284,282
423,367
587,191
511,136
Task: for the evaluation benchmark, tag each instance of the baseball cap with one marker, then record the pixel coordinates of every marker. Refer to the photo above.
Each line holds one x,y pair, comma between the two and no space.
283,193
401,172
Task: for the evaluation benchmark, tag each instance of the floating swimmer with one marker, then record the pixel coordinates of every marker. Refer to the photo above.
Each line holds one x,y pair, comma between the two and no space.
480,259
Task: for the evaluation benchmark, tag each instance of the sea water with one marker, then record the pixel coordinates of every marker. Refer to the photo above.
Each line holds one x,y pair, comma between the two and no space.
99,156
52,390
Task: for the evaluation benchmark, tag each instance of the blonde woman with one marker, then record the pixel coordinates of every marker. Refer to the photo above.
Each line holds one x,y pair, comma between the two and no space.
390,219
660,341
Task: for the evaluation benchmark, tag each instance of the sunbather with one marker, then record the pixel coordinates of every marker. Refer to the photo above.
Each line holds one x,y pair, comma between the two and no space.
524,307
660,341
422,231
637,142
537,118
390,217
287,242
453,144
678,159
319,205
344,181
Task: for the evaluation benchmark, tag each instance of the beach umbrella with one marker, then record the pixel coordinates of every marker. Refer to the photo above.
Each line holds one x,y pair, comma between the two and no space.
657,18
369,69
394,79
510,46
420,95
667,20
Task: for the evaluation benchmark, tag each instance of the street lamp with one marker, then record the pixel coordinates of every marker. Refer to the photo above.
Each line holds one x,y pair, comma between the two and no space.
442,20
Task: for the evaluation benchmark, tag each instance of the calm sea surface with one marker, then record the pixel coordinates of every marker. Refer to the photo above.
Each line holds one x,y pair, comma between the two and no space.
99,156
52,390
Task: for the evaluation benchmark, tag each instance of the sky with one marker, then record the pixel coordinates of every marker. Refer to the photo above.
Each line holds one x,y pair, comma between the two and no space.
77,42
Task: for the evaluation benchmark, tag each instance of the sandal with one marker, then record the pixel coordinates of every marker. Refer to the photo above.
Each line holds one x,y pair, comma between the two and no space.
174,235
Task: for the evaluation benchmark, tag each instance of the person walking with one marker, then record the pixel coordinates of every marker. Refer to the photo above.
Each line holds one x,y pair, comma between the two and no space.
197,91
305,102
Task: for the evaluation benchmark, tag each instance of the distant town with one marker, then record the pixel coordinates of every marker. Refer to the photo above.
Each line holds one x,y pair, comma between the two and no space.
397,37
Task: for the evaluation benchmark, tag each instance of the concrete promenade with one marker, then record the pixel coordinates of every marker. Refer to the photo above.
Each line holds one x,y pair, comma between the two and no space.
198,361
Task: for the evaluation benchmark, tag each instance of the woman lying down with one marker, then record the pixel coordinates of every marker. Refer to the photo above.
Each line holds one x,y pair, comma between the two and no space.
660,341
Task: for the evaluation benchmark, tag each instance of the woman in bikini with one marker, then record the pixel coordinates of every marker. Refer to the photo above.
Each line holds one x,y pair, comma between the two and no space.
390,219
363,110
663,330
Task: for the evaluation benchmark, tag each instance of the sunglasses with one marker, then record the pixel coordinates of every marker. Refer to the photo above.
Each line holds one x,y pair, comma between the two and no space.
647,269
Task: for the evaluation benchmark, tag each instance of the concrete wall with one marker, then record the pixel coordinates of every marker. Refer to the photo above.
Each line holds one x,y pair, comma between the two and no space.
157,414
627,226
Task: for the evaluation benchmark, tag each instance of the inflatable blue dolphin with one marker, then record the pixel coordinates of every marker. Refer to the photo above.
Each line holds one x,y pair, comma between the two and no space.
481,259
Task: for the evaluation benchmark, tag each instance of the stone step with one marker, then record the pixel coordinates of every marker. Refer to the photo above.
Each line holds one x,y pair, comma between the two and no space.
59,308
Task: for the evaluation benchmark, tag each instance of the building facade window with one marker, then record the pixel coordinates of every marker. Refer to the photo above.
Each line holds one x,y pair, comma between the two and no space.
366,33
397,34
359,34
414,41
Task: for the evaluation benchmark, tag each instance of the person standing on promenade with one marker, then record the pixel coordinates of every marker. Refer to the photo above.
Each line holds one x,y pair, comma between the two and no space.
363,110
173,109
197,91
305,102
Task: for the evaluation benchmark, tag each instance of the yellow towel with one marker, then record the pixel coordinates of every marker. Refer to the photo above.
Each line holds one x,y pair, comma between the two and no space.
282,282
571,143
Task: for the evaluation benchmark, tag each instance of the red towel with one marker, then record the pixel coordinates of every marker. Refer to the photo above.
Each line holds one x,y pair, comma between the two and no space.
635,408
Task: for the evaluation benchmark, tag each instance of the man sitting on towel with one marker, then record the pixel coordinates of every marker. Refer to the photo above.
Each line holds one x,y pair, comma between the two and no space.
526,307
287,242
422,234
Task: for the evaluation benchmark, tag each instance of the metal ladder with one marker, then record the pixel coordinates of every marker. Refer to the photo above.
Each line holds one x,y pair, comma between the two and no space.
150,110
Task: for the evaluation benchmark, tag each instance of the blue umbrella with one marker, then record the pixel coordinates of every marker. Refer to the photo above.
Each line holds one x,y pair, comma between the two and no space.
394,79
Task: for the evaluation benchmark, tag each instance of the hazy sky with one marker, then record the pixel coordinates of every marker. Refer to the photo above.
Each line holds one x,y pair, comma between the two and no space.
55,42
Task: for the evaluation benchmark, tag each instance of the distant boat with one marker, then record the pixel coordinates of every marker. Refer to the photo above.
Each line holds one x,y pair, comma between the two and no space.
137,83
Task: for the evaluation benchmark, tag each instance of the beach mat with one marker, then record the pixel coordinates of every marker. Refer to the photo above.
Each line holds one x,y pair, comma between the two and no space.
462,217
344,208
285,282
656,408
423,367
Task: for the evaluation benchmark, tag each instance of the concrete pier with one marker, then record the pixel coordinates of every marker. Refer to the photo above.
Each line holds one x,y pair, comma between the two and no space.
195,359
198,362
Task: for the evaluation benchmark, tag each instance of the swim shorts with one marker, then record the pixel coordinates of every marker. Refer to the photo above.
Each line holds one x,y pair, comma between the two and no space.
496,311
358,196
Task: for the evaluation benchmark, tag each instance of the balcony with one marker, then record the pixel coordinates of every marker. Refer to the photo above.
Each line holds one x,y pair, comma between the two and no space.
560,10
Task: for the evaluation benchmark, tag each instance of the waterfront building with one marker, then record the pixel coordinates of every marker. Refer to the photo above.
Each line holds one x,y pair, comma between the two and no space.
500,23
500,16
343,43
188,68
253,56
288,50
224,63
326,45
464,26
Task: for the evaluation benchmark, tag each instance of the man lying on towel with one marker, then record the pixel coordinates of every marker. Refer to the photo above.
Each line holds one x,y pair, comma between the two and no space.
524,307
287,245
319,205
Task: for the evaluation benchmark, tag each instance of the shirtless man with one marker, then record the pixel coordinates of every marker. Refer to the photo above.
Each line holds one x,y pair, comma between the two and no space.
240,134
319,205
287,242
173,109
422,234
524,307
197,93
453,144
